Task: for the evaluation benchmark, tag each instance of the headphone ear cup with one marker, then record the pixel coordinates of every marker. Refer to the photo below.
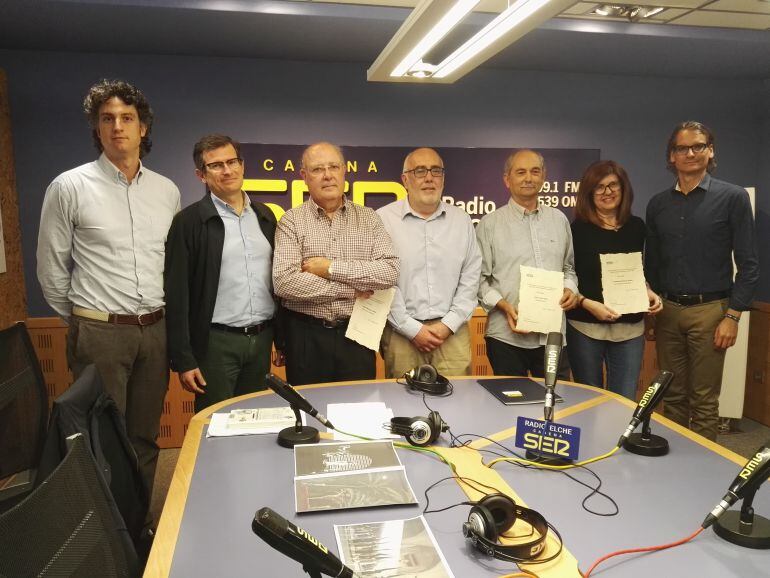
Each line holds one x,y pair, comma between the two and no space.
437,423
482,523
426,373
502,511
422,432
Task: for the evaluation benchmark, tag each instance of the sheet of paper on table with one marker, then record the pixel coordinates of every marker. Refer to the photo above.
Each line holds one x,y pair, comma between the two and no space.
363,419
251,421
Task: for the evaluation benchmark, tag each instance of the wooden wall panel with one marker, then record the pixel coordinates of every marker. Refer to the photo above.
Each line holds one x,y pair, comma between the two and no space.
13,295
756,404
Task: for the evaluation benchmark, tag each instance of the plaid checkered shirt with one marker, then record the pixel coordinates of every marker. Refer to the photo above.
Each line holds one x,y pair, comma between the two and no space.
356,242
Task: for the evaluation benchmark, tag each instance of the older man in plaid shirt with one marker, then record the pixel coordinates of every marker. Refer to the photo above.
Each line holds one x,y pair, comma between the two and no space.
328,252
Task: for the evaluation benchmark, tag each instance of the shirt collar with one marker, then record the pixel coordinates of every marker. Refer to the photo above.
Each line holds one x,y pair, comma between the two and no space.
114,173
319,211
520,211
223,206
406,209
704,184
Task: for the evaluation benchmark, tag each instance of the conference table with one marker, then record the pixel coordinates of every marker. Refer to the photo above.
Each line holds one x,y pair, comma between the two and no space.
220,482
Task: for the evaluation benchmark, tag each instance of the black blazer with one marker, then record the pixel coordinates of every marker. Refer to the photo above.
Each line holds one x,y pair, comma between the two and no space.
191,277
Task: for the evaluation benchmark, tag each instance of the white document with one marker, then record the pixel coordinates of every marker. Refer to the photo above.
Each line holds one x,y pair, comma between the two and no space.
368,318
363,419
267,420
405,548
623,286
539,295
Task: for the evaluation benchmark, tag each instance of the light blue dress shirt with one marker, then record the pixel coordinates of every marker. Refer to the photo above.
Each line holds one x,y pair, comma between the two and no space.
102,239
244,293
511,237
440,266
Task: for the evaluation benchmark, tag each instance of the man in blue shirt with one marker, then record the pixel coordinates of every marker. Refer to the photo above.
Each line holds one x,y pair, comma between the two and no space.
218,282
694,229
439,275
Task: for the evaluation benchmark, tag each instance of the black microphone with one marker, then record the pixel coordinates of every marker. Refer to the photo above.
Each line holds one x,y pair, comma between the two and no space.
551,365
649,400
753,474
297,544
294,398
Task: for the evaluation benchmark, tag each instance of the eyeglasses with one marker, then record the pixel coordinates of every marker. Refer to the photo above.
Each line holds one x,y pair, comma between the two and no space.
422,172
601,189
682,150
320,170
219,166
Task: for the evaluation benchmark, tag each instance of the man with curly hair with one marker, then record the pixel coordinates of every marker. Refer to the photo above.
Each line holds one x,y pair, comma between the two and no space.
100,262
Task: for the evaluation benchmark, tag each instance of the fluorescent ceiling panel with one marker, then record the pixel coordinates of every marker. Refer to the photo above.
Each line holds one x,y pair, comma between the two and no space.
428,24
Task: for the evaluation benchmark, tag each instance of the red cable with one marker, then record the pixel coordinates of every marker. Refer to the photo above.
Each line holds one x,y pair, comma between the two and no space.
648,549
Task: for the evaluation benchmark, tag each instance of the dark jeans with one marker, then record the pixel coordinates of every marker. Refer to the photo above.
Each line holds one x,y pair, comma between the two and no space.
622,358
134,367
234,365
508,359
317,354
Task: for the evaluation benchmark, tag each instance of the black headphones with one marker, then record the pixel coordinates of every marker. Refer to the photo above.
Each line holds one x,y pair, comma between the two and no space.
494,515
419,431
426,379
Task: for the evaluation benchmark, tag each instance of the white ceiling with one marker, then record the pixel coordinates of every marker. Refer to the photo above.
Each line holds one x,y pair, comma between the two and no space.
746,14
719,39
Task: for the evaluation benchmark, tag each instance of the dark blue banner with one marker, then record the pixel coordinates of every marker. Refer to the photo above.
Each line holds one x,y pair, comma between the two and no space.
474,176
560,440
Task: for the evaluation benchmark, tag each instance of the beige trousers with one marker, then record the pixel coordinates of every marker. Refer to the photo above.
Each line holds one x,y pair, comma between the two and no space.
453,357
685,343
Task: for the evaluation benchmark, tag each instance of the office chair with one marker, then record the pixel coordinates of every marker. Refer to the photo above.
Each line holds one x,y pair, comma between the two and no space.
23,414
86,408
68,526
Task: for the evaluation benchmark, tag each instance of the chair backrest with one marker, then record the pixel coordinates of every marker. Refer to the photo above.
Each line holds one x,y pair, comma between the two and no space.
86,408
23,409
68,526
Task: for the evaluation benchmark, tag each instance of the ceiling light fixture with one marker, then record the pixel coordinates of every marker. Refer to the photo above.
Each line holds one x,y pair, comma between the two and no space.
632,13
450,19
431,21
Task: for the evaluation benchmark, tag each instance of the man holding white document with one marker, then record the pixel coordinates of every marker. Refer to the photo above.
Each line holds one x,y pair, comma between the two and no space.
527,272
328,253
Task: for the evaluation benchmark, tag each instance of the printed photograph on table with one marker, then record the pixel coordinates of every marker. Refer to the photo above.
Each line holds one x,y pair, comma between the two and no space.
334,458
353,490
390,549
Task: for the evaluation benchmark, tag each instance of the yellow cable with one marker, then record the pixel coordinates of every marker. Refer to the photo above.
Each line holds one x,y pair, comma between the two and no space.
549,466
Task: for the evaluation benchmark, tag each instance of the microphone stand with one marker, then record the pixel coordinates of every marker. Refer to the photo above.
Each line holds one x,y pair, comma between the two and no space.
546,458
299,434
646,443
744,528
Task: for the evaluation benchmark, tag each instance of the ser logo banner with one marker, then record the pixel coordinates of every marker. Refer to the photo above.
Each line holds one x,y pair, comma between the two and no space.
552,438
473,181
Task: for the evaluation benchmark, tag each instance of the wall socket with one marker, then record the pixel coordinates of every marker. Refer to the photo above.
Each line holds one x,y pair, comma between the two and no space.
759,376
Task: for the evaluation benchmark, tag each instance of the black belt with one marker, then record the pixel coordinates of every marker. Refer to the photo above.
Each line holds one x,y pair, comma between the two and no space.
250,330
696,299
328,324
